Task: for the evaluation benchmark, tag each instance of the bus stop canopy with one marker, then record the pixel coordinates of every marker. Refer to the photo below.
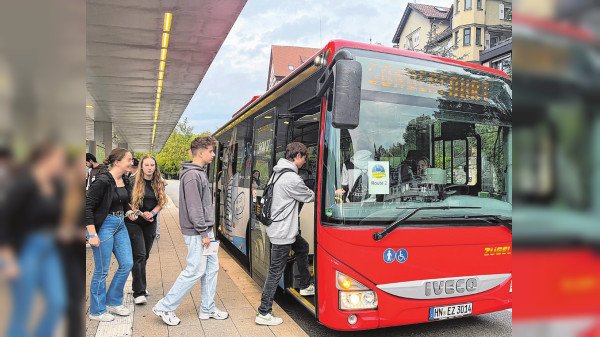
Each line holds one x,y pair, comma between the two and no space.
125,42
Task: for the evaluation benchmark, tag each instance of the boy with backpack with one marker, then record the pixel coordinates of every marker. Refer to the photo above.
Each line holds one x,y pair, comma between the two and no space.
288,191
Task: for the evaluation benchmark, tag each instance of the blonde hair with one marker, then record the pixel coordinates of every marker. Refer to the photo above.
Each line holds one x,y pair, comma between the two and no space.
139,188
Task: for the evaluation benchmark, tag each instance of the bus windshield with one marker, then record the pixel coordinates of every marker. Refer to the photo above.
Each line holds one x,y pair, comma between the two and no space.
430,134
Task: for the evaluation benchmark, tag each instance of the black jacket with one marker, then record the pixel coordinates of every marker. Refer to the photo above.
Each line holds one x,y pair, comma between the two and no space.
99,198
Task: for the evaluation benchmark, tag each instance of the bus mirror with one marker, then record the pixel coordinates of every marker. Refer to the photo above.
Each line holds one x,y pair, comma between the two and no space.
346,94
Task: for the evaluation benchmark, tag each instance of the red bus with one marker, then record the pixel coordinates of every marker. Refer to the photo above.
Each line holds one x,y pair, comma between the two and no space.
410,161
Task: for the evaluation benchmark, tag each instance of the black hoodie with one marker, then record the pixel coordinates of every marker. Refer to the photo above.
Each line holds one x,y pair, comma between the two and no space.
99,198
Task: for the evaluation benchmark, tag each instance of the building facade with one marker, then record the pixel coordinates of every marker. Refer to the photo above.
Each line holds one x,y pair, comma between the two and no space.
418,23
467,27
284,60
479,25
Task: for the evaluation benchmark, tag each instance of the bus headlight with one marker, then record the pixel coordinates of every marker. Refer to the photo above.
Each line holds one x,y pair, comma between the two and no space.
345,282
355,300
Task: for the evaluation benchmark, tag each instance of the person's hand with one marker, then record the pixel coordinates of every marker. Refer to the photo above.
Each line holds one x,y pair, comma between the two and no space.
206,242
131,216
94,241
340,191
148,216
11,270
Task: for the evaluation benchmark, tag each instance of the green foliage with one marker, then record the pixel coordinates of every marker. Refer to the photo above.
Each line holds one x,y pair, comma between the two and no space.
176,149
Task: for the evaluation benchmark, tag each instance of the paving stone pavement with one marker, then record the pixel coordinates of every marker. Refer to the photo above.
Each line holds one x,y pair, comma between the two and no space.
237,294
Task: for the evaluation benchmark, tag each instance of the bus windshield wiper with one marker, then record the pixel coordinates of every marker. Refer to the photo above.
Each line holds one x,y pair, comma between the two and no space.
377,236
486,217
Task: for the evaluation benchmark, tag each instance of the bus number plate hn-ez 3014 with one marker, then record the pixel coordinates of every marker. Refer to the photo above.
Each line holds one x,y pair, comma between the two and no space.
450,311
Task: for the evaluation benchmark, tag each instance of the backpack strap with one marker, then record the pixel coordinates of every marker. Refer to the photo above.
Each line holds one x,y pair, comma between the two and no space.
282,172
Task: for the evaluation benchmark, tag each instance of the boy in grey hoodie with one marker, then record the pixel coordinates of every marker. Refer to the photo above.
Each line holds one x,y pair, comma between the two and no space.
196,218
288,192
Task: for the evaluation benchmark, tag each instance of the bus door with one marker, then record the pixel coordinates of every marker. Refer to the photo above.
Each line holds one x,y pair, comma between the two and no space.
264,125
218,186
304,128
460,146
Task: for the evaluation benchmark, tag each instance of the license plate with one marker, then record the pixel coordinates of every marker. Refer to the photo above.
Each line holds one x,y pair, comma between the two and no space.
450,311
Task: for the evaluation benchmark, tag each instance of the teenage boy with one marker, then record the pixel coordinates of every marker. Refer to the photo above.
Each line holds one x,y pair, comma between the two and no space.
283,233
93,169
196,218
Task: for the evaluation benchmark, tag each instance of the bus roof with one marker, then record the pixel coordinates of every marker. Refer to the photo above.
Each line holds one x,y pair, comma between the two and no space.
556,27
334,46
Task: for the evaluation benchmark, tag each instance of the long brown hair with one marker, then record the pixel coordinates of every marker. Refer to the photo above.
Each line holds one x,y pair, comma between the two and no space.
139,188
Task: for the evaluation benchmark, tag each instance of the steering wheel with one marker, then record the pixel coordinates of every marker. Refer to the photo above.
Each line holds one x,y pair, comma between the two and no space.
456,189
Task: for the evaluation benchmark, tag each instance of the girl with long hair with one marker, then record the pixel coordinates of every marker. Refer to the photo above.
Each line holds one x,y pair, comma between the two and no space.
32,219
147,196
106,206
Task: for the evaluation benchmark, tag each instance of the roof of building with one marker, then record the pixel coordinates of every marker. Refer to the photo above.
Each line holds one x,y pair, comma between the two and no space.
444,35
284,56
503,48
430,12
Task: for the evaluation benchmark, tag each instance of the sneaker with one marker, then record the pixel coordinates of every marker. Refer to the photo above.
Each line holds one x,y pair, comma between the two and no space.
140,300
168,317
105,317
308,291
267,319
120,310
147,293
217,314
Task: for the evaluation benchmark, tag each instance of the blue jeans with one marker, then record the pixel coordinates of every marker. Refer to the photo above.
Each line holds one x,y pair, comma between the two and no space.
41,268
113,239
199,267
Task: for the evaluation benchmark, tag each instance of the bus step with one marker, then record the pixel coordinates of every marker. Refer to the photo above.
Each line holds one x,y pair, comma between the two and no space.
308,302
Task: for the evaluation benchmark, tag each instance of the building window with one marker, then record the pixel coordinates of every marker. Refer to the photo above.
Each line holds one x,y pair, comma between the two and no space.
504,64
479,5
505,10
405,42
415,37
467,37
478,36
457,6
456,38
291,67
494,40
468,4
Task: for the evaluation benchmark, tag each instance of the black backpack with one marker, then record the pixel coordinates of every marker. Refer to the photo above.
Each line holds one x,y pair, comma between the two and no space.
263,205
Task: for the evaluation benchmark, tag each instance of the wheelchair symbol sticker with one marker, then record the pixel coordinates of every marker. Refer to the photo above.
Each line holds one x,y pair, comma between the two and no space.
402,255
389,255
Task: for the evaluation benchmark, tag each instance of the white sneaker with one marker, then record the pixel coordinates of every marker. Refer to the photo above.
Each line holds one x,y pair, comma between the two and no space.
140,300
217,314
168,317
267,319
308,291
105,317
147,293
120,310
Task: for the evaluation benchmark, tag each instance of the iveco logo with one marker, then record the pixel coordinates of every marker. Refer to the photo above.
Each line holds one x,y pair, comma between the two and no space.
449,287
456,286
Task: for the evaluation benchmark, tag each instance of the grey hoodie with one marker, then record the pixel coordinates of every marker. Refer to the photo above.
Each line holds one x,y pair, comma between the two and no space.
196,214
289,187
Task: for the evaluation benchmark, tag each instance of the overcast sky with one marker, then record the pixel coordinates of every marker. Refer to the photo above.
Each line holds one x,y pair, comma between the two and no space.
239,71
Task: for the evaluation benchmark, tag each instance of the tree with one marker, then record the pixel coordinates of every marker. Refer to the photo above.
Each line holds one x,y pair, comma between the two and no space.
176,148
440,48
